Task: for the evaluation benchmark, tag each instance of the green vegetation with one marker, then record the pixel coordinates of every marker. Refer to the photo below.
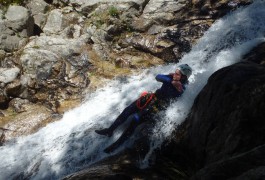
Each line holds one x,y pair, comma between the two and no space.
36,47
6,3
113,11
104,17
97,19
98,23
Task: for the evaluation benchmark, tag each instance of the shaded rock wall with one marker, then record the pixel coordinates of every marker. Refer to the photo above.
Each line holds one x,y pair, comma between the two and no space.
224,135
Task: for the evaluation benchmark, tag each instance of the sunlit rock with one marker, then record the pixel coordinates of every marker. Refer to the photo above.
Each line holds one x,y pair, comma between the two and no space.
54,22
60,20
17,25
87,7
54,65
26,119
7,75
39,10
18,18
158,11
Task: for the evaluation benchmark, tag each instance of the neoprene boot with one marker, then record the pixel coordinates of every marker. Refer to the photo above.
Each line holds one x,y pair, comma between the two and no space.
105,132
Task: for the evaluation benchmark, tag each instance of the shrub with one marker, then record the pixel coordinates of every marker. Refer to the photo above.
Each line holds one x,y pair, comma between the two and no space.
113,11
6,3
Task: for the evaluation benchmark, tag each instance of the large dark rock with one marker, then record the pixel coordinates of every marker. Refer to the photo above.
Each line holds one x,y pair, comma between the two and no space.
227,120
230,109
223,138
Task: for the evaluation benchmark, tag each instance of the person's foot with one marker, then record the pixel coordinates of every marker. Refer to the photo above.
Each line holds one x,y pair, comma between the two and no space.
107,151
112,147
105,132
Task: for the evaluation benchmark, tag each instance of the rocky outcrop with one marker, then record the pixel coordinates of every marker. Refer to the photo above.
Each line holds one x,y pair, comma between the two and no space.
15,28
39,10
55,65
24,118
159,12
223,136
234,116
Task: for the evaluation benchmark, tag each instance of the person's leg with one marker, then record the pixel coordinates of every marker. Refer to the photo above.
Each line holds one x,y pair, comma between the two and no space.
143,116
132,108
125,135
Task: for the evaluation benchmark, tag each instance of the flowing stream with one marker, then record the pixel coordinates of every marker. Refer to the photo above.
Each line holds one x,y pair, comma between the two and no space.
68,145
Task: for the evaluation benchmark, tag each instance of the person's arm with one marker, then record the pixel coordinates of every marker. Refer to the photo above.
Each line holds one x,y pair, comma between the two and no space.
164,78
178,85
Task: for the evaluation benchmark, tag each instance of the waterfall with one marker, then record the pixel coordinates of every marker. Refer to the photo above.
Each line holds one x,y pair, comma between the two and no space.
224,44
68,145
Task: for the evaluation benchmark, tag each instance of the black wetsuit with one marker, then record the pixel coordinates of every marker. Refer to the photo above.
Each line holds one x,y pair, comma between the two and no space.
162,95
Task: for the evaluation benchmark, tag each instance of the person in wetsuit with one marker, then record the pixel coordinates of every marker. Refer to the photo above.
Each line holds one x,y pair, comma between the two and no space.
149,103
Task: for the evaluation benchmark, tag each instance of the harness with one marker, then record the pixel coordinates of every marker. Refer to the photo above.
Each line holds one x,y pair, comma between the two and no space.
148,103
144,100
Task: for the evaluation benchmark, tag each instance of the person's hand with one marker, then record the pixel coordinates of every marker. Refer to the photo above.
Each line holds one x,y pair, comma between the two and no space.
177,75
177,85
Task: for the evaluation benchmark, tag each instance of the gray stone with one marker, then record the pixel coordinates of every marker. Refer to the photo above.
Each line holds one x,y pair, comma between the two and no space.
18,104
38,62
54,22
58,22
38,6
18,18
4,29
40,19
59,46
93,2
8,74
163,9
52,62
17,13
158,11
38,9
87,7
155,29
1,14
9,43
17,26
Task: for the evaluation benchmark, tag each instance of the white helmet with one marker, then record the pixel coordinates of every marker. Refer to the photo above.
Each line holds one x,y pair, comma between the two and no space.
185,69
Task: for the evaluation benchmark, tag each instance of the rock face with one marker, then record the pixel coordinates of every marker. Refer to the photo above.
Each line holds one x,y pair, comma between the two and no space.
7,75
17,25
55,65
223,137
235,116
159,11
38,9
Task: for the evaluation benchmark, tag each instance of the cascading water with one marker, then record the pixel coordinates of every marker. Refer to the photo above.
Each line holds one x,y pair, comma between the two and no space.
70,144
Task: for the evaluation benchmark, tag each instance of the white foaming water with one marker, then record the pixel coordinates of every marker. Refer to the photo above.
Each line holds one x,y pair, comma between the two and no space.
70,144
